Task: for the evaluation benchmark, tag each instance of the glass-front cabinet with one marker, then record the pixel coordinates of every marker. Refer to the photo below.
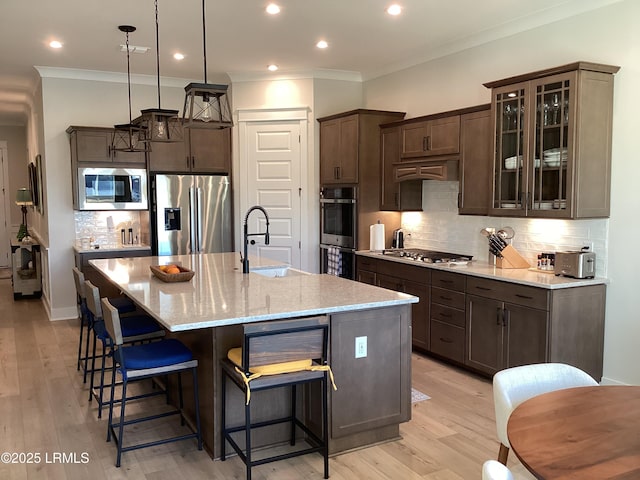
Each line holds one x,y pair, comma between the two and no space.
553,142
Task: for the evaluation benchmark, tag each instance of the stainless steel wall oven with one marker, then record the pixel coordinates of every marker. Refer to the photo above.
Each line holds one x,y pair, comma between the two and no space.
338,227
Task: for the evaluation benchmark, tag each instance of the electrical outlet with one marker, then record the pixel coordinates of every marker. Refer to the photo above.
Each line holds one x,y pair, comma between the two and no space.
361,347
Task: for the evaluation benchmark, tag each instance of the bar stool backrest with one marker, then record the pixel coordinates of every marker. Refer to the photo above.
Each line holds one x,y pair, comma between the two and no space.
78,278
273,342
112,321
93,300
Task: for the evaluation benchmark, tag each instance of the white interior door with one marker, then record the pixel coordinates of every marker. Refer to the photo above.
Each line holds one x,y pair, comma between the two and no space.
273,182
4,211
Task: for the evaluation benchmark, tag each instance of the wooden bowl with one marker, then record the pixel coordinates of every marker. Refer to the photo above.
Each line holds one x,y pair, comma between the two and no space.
184,276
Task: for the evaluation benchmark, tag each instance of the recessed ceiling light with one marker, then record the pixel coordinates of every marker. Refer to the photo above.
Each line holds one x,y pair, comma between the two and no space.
322,44
273,67
394,9
273,9
55,44
178,56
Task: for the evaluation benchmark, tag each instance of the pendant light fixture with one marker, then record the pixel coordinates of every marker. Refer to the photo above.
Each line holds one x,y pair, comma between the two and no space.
161,125
128,137
206,105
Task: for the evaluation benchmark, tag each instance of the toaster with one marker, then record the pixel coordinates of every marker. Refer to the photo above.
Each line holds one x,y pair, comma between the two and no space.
576,264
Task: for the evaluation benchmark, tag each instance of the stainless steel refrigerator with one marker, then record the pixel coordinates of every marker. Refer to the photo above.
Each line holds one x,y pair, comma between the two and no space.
191,214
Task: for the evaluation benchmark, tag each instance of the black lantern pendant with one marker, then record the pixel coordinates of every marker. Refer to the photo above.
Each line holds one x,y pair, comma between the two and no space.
161,125
206,105
128,137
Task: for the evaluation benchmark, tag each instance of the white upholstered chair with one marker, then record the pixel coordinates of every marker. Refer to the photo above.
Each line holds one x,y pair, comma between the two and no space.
513,386
493,470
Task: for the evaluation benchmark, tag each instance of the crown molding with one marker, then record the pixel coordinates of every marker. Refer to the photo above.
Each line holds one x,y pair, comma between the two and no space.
111,77
324,74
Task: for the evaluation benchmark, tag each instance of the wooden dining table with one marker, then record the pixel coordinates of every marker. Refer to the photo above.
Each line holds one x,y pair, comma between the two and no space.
584,433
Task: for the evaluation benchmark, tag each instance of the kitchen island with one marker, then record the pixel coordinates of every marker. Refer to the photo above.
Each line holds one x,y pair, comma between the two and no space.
207,312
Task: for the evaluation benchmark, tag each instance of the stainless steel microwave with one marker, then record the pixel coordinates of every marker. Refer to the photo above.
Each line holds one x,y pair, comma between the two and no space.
112,189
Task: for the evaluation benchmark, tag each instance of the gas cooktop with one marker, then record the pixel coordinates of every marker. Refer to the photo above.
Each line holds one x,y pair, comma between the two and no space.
427,256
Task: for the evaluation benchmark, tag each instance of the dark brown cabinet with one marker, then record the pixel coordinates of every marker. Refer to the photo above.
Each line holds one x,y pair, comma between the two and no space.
201,151
339,150
447,320
439,136
476,160
513,324
91,146
553,142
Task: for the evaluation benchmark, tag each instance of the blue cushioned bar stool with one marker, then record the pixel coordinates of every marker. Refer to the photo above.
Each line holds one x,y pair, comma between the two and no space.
135,328
148,360
278,354
123,304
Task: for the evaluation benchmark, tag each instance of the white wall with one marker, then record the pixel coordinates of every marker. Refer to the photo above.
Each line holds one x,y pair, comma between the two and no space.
609,35
19,158
68,102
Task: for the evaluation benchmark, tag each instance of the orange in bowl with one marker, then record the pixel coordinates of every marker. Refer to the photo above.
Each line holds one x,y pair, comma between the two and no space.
172,269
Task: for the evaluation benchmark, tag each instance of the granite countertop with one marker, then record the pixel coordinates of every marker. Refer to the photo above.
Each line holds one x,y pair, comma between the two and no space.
483,269
119,248
220,294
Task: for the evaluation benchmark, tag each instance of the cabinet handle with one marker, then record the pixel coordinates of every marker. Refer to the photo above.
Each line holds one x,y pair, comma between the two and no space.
109,150
484,289
499,315
446,281
188,160
193,162
506,317
459,199
339,170
446,340
424,144
445,315
526,297
445,298
428,142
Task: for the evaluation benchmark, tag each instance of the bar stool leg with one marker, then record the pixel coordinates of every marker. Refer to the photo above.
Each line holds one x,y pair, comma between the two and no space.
121,426
180,399
325,426
86,355
197,401
223,391
293,415
247,418
111,402
101,389
80,342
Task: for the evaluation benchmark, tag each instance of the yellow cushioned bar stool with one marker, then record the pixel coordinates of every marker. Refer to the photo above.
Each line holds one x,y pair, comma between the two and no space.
277,354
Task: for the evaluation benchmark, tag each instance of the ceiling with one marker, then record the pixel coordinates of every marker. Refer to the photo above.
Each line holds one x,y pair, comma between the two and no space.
242,39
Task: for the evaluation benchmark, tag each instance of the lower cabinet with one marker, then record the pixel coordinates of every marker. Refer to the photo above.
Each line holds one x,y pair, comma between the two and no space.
447,324
510,324
502,335
487,325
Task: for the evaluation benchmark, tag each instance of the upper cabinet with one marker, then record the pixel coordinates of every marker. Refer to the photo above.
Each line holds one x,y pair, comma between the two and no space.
91,146
476,159
553,142
201,151
394,195
349,145
431,137
339,150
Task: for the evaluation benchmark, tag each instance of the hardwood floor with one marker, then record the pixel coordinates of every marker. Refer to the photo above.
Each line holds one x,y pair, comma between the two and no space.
44,410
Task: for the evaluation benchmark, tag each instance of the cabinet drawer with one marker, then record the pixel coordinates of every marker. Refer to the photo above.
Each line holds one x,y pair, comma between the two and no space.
447,297
448,280
509,292
447,341
449,315
405,272
366,263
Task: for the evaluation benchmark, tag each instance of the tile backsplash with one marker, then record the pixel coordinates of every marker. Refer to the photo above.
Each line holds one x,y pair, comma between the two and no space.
93,225
439,227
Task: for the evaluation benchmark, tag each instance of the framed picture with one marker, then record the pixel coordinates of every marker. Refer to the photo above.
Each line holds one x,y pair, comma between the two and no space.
35,183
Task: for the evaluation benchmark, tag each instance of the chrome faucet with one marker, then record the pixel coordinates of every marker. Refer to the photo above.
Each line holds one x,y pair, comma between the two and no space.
245,259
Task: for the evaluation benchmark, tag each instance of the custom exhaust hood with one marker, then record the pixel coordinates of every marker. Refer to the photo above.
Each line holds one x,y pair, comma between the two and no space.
427,169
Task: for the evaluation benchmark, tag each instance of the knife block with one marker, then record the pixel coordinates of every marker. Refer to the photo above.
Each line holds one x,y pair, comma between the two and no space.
511,259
